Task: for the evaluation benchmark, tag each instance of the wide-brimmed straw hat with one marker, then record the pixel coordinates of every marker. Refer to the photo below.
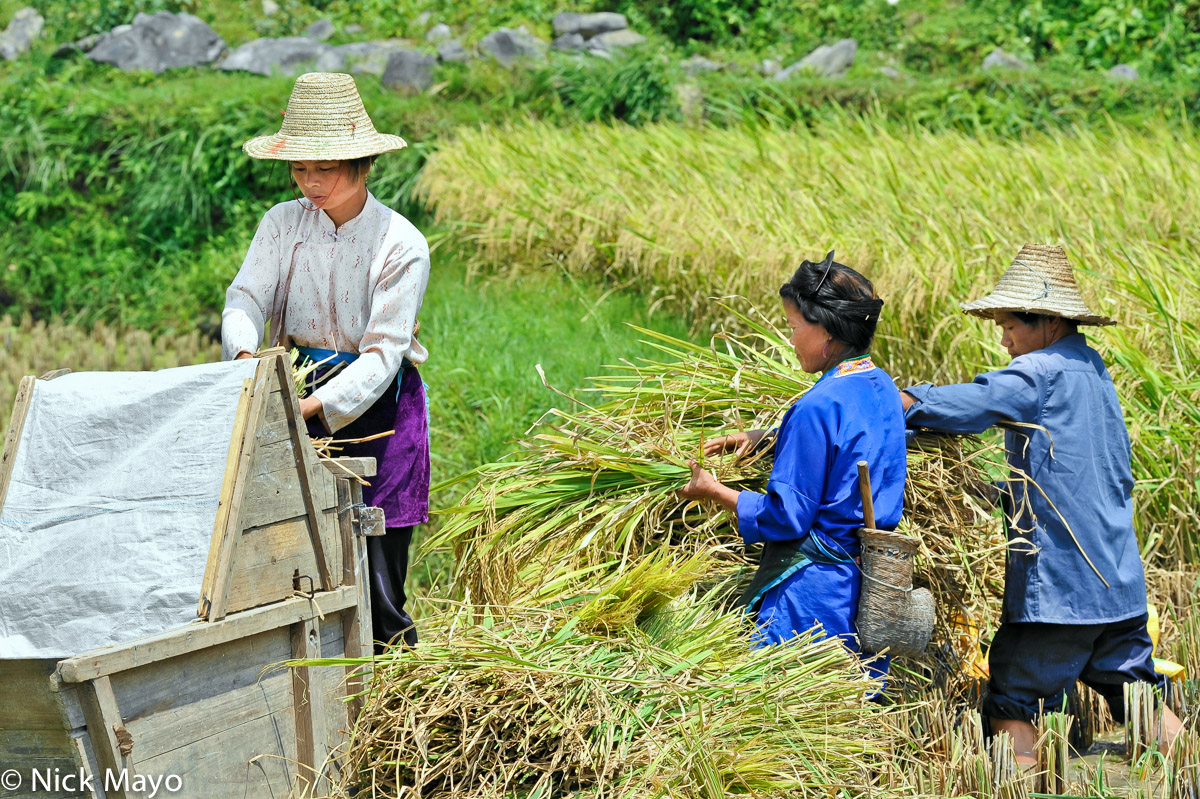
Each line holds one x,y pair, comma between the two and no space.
1039,281
325,120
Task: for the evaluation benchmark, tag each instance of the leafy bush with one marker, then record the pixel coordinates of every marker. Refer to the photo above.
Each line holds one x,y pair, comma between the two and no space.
633,88
981,103
71,20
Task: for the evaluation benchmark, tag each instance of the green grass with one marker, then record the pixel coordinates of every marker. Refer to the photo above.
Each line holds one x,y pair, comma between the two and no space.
487,334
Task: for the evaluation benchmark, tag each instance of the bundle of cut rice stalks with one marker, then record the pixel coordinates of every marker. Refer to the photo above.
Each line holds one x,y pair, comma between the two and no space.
570,666
593,490
542,703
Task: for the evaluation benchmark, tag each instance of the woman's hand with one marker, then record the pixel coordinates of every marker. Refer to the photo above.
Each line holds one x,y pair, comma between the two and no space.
741,442
907,400
310,407
703,485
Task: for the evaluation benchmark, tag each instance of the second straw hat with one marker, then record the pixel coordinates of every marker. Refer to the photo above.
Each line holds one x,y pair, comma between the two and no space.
325,120
1039,281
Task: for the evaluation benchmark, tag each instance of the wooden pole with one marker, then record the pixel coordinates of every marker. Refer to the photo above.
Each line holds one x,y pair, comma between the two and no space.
864,485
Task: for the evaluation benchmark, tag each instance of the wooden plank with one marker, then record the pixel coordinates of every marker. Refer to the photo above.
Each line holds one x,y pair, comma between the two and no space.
273,431
363,467
217,572
345,526
310,727
340,713
25,749
269,557
305,460
16,424
276,496
27,698
104,722
232,459
175,703
275,457
352,633
366,634
246,760
173,643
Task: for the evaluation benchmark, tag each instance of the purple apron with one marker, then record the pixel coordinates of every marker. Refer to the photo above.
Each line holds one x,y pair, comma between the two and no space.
400,486
401,482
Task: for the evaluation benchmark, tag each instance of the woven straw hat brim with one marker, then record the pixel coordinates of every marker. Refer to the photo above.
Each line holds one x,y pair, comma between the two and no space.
990,305
1040,280
325,120
317,148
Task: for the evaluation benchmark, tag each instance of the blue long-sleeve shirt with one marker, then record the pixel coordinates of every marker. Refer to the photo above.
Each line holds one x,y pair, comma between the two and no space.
852,413
1070,441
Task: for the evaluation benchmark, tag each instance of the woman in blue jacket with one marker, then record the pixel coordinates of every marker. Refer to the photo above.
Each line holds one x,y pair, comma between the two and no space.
807,519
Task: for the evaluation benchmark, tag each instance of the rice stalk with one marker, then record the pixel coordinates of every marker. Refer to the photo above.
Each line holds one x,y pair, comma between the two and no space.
530,702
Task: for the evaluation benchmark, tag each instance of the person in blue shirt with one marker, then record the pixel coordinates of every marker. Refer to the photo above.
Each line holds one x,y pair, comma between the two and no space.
1075,591
808,518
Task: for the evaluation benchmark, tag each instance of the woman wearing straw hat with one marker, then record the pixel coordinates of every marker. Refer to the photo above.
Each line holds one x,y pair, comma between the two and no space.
1075,591
812,509
340,276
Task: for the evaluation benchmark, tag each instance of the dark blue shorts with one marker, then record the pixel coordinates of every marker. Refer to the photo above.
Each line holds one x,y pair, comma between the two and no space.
1032,662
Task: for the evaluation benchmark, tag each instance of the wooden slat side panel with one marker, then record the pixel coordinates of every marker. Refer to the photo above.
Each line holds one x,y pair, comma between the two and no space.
27,701
268,558
206,715
223,551
250,759
275,496
232,460
172,689
202,635
45,750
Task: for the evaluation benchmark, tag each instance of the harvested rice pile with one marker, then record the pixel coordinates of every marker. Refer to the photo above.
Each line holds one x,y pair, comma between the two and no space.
594,491
592,654
535,703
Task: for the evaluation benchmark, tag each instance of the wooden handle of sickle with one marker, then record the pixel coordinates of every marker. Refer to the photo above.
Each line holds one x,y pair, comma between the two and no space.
864,485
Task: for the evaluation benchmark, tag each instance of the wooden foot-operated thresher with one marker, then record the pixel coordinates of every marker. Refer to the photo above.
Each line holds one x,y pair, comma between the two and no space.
167,540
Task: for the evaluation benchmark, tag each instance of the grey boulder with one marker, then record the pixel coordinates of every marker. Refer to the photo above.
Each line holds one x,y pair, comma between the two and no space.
827,61
890,72
769,67
321,30
588,25
698,65
438,33
453,51
83,45
1123,72
360,57
20,34
569,42
509,46
614,40
287,55
409,70
1002,59
159,42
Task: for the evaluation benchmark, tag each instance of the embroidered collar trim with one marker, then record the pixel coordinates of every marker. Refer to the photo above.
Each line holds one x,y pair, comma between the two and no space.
854,366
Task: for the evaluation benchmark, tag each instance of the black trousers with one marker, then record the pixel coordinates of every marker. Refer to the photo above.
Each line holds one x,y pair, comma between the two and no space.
387,561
